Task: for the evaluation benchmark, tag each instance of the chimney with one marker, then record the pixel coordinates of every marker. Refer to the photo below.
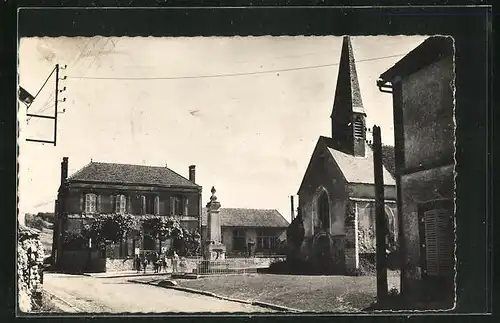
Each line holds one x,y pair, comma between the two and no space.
192,173
292,208
64,170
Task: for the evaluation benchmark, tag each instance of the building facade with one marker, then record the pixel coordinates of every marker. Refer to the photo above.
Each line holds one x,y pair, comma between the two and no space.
337,193
106,188
255,231
422,88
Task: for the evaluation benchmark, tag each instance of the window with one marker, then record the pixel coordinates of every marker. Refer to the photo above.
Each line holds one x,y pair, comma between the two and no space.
265,241
178,205
121,204
324,212
358,128
238,240
90,203
150,204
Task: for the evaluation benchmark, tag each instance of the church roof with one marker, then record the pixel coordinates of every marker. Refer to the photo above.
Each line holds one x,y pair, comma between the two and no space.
347,81
130,174
357,169
241,217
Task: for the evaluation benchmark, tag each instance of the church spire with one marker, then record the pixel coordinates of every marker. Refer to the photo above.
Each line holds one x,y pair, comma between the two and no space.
348,115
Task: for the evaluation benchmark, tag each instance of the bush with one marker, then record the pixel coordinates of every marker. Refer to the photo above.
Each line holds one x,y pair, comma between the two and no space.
34,222
279,267
394,292
367,265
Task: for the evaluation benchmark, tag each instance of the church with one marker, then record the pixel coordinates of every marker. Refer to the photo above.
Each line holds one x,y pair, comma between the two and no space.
337,193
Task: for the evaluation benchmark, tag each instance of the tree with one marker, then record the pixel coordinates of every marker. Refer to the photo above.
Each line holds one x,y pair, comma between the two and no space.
191,241
163,228
295,231
109,227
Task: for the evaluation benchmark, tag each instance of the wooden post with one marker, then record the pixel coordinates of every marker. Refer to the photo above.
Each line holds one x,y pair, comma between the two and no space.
380,225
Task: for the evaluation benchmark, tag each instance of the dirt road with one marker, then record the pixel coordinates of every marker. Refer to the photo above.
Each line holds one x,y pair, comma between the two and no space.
116,295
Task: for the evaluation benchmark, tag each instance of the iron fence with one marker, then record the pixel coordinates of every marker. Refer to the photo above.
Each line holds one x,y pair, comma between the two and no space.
226,266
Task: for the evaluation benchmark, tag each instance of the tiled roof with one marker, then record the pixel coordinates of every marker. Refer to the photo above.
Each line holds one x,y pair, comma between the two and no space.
237,217
357,169
130,174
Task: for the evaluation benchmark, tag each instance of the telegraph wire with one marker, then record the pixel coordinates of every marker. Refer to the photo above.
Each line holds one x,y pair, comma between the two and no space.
229,74
40,90
47,104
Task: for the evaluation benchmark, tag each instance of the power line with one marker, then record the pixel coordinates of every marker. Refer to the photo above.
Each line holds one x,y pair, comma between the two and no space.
229,74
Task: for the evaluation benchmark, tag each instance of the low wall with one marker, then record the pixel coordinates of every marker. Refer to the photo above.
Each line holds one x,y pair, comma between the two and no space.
116,265
77,261
30,256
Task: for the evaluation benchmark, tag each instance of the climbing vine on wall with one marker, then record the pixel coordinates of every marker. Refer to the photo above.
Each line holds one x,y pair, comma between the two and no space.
109,227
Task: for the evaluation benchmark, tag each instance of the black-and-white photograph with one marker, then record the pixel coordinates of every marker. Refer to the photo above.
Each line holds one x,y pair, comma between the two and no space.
263,174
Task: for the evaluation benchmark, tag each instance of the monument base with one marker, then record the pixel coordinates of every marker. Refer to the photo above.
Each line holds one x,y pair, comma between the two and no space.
215,251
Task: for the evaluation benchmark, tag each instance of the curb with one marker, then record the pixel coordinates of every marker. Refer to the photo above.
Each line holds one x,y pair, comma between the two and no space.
126,275
276,307
59,299
211,294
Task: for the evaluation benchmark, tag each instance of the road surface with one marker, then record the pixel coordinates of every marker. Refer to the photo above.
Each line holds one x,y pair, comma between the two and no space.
116,295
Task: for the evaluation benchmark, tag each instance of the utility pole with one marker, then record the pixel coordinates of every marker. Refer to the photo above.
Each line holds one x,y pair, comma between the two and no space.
380,220
56,100
56,103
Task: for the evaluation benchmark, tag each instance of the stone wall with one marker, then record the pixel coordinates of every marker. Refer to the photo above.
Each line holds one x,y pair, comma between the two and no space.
116,265
29,268
351,239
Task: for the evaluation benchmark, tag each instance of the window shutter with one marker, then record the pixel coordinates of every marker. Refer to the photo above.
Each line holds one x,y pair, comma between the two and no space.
162,208
172,208
113,203
439,242
82,205
431,243
157,205
446,242
143,204
186,206
98,203
118,203
129,206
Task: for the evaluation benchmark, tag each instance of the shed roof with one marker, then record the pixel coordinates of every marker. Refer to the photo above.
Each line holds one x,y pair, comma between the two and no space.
130,174
242,217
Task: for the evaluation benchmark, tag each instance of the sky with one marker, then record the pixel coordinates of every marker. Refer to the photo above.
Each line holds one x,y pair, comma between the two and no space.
247,111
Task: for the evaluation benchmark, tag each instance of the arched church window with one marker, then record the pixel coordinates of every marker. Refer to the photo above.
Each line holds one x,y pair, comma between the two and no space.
390,228
324,211
358,127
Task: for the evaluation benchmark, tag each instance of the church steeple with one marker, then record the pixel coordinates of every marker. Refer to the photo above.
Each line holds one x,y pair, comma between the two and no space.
348,115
